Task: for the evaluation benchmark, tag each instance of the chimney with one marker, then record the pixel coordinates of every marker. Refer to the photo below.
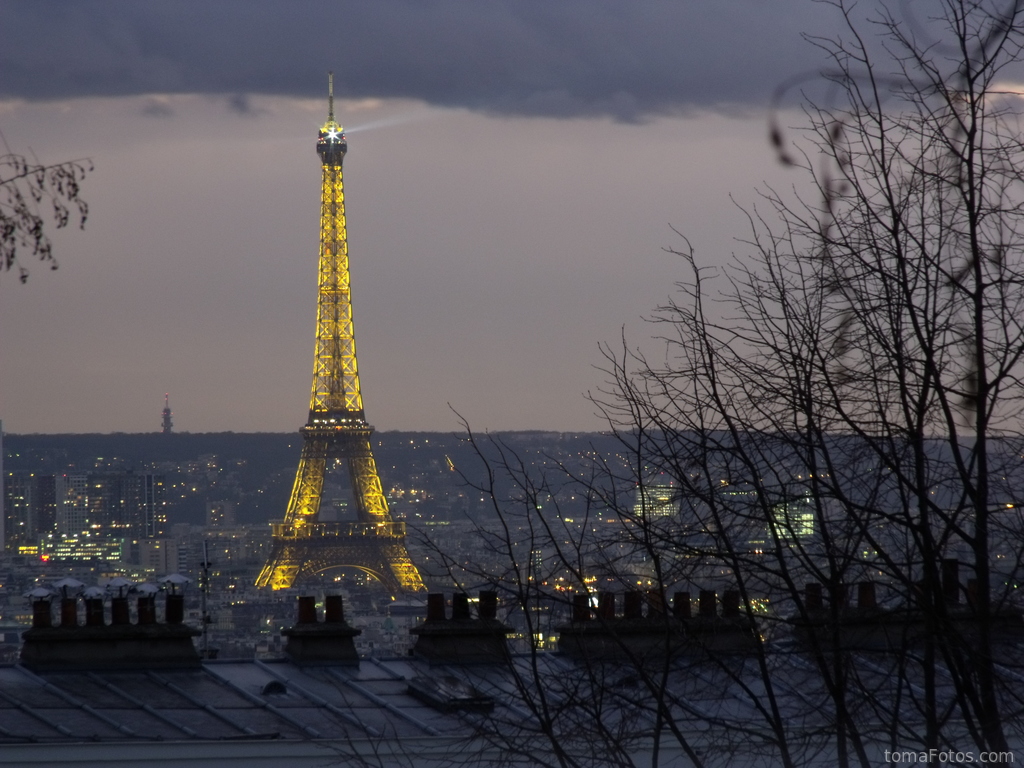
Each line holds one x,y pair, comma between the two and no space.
174,609
707,605
681,606
866,595
307,610
951,581
580,607
42,615
311,642
460,607
334,609
813,596
68,612
655,602
837,592
730,604
119,613
973,592
435,607
147,610
94,612
488,605
462,639
634,605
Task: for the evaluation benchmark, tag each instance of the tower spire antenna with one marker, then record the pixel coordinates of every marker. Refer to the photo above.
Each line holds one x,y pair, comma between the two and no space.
330,97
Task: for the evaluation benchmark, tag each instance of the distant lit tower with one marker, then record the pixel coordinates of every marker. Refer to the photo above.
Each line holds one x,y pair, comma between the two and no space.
337,429
167,425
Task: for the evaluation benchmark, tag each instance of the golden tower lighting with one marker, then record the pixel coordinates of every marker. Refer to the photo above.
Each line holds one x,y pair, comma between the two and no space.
337,429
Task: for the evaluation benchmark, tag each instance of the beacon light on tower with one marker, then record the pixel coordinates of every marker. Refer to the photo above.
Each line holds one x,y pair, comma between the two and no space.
332,136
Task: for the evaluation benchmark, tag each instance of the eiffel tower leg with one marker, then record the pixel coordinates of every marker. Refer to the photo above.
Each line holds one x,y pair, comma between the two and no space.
397,569
401,568
284,565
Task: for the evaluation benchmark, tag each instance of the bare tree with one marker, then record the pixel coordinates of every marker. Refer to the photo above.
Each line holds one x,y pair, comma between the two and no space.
854,424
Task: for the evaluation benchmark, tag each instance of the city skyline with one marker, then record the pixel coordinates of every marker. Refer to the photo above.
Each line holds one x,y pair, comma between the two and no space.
513,179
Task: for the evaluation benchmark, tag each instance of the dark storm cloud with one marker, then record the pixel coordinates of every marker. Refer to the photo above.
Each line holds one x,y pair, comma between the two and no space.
567,58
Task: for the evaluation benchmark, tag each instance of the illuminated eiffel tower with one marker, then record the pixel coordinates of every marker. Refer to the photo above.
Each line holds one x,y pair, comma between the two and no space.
337,430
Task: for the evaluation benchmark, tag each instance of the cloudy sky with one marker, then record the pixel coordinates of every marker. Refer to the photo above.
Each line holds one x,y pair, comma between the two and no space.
514,175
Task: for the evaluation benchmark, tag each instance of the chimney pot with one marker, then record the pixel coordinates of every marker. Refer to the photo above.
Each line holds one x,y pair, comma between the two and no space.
94,612
655,602
708,603
973,593
435,607
866,595
581,607
681,605
41,614
307,610
731,603
813,599
460,606
606,606
839,596
334,609
488,604
68,612
174,609
147,610
634,605
119,613
951,581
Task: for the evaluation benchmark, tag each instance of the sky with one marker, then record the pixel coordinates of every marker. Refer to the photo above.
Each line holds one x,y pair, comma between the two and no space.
517,174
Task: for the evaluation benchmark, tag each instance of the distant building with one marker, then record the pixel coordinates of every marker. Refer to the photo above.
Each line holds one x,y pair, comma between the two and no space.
161,556
19,501
72,503
82,515
166,425
794,520
82,546
220,514
658,499
29,510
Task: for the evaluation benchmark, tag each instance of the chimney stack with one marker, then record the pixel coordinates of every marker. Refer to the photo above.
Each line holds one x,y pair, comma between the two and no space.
98,645
311,642
462,639
632,636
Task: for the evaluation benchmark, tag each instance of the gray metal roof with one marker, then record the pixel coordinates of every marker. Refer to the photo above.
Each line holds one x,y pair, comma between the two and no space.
278,713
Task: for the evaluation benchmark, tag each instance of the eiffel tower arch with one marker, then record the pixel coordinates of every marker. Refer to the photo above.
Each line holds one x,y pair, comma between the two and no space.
336,430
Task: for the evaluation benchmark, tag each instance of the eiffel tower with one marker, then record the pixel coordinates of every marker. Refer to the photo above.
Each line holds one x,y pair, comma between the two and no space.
337,430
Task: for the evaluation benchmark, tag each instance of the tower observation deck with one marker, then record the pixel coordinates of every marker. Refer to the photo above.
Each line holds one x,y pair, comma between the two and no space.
336,430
